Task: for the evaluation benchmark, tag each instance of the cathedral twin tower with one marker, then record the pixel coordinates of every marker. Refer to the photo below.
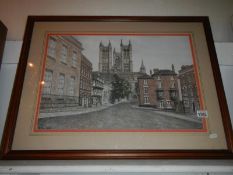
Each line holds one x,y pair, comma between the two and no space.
115,62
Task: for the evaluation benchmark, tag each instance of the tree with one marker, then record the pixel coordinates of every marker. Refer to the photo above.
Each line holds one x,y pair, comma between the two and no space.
120,89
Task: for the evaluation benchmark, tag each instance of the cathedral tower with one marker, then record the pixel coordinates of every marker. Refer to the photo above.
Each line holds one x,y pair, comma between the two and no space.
126,55
122,61
105,57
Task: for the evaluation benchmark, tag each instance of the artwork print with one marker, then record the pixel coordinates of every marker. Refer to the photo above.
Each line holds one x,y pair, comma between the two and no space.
119,82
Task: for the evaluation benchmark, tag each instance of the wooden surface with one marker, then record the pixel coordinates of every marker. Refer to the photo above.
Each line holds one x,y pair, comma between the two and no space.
3,32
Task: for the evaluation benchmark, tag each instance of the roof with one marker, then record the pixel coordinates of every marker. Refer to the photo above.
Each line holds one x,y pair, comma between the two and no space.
164,72
186,68
145,76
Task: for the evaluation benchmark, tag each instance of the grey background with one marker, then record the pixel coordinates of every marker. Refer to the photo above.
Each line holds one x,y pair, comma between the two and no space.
155,51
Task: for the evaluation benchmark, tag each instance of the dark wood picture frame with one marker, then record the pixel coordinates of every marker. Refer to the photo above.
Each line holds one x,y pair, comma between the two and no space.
3,33
6,147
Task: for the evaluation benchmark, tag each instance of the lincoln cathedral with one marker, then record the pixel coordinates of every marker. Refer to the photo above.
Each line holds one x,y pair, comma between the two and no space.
111,61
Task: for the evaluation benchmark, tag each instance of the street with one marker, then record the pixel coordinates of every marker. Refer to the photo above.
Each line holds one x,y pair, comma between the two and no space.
120,116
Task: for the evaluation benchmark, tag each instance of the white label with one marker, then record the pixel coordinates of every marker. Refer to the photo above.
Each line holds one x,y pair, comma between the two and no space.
202,113
213,136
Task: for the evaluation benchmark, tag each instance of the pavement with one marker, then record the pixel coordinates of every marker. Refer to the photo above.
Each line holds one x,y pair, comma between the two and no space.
83,110
191,118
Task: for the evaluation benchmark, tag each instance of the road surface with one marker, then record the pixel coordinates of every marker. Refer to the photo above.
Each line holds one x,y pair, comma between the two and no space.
120,116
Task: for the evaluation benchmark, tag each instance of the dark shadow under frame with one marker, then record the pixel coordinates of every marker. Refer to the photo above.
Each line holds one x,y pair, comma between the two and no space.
7,139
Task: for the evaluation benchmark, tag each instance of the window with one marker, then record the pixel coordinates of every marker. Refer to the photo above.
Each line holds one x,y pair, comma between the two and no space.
168,104
81,83
61,84
64,53
145,90
146,100
145,82
172,84
159,84
191,92
186,103
48,82
52,47
161,104
72,86
184,93
74,59
173,94
160,94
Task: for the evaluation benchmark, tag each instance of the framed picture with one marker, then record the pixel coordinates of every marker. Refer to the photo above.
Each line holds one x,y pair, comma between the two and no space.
3,32
117,87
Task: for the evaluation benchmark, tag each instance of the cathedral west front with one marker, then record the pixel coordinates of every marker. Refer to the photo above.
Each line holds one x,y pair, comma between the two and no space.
111,61
119,62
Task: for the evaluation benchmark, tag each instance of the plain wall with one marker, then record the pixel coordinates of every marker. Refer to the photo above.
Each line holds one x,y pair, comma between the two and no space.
14,12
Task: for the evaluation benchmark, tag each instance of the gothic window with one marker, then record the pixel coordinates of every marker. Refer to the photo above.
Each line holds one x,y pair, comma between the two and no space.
75,59
48,82
52,47
64,53
61,84
72,86
145,82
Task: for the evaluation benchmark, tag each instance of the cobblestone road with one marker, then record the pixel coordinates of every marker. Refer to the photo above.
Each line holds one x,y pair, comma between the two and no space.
120,116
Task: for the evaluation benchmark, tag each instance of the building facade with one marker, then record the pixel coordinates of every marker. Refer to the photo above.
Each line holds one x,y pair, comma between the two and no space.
159,90
85,82
106,93
166,88
97,89
62,74
146,91
189,89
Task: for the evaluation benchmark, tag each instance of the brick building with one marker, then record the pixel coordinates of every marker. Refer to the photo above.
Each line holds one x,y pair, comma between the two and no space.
146,91
85,82
160,90
62,74
189,89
